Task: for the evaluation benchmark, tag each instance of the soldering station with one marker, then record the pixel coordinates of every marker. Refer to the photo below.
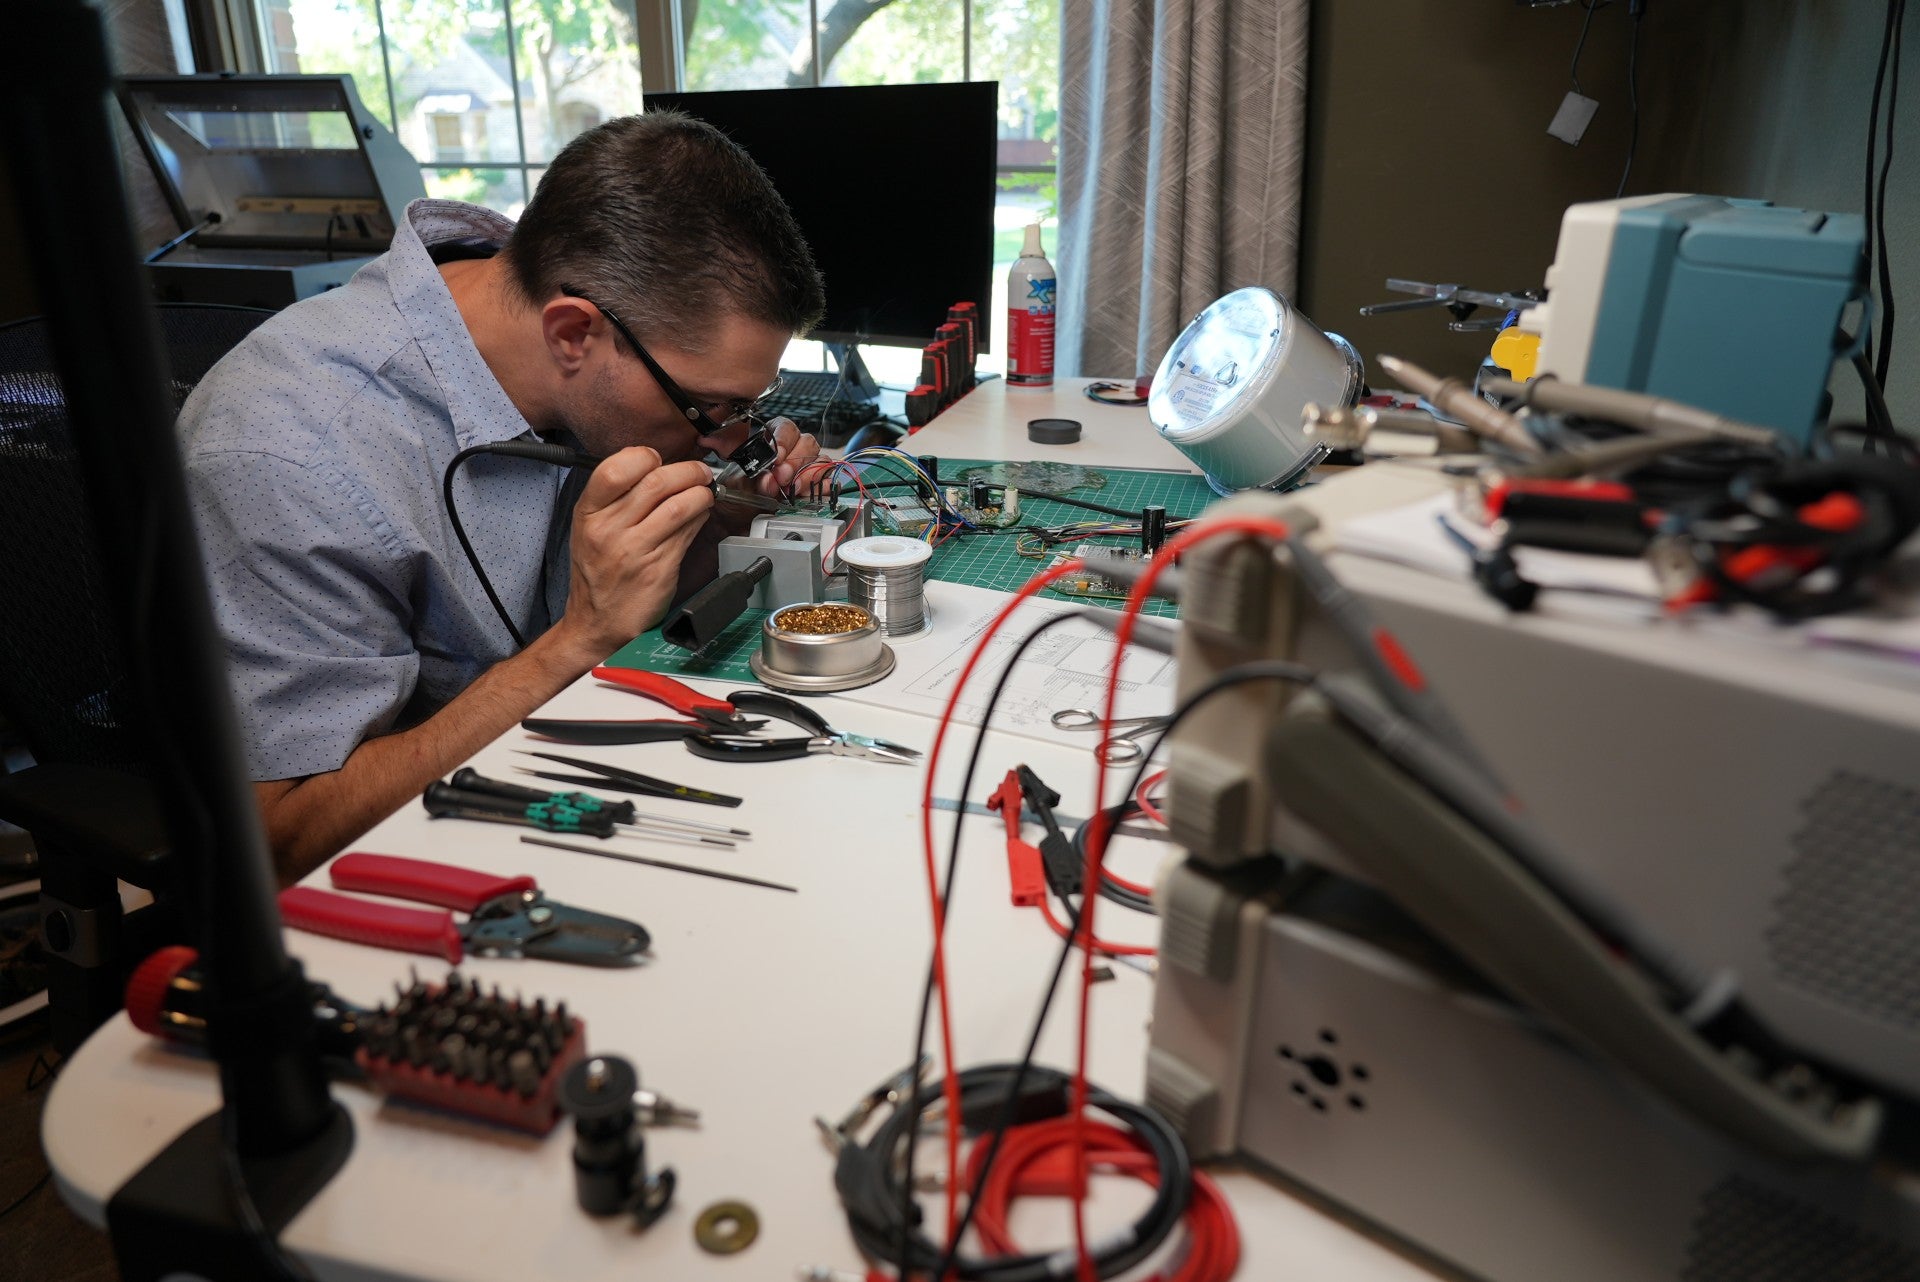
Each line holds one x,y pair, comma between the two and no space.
1291,809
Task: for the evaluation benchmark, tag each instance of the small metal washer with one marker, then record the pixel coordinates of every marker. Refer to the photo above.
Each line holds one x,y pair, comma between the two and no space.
715,1241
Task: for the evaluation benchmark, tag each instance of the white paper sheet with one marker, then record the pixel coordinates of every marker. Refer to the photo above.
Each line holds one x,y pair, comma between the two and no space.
1066,668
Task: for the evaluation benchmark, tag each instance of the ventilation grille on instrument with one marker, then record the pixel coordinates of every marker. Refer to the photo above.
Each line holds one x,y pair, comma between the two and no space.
1746,1233
1847,926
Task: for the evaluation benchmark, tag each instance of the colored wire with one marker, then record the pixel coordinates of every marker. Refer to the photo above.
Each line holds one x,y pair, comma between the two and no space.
1100,945
864,1174
938,980
1149,807
1034,1151
1266,670
1097,846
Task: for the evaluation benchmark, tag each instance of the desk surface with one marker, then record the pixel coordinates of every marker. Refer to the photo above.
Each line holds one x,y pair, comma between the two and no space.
760,1009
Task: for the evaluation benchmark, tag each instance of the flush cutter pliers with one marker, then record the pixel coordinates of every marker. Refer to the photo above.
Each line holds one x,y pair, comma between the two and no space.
722,731
506,916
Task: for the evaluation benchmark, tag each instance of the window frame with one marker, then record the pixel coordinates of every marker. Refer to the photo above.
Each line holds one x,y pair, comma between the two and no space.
231,35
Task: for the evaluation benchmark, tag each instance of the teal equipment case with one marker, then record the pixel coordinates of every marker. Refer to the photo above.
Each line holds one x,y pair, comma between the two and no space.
1732,305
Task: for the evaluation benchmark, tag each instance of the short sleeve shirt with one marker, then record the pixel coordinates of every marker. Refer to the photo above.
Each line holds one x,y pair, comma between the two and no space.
315,453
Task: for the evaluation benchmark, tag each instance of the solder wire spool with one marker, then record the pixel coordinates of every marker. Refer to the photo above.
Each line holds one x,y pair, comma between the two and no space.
886,576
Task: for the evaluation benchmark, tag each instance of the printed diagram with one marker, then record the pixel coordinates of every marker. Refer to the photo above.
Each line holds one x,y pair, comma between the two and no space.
1066,668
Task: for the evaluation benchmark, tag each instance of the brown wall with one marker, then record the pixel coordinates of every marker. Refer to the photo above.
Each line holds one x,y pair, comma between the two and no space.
1428,156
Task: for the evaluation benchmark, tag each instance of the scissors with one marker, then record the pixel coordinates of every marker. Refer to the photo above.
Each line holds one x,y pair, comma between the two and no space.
1122,743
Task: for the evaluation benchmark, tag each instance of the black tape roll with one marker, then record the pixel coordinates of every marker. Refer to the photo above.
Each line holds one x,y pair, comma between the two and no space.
1053,431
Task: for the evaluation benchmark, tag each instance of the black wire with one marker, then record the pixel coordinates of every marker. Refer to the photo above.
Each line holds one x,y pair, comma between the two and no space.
953,864
466,545
1095,507
1274,669
1114,816
1883,365
27,1196
1633,102
1873,135
1878,415
1581,44
548,452
866,1186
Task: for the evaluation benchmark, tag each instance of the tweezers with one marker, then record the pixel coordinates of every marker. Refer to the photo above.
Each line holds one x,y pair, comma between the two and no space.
618,780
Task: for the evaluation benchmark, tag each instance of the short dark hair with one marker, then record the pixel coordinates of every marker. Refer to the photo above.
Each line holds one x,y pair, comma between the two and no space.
669,222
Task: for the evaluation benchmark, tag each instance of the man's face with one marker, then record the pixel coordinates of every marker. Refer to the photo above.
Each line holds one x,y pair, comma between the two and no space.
619,402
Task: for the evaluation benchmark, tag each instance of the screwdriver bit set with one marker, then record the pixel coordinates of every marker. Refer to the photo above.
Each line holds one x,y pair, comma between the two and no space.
458,1047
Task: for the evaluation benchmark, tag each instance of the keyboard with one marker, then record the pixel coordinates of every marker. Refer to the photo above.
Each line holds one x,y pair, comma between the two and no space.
818,402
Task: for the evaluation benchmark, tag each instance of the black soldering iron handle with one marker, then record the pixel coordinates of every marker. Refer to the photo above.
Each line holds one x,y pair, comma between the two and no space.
708,612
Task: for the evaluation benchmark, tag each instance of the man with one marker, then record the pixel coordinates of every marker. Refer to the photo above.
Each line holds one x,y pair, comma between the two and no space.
639,306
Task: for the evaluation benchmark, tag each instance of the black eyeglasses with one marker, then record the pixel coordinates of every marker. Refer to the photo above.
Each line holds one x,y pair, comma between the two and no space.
701,416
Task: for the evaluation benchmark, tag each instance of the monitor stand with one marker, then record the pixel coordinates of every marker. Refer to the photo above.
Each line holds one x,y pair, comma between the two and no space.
860,385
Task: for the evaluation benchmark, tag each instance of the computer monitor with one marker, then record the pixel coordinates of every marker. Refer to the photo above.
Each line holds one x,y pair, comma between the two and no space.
893,186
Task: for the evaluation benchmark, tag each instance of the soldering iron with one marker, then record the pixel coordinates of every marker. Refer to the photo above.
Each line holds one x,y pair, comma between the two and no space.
753,456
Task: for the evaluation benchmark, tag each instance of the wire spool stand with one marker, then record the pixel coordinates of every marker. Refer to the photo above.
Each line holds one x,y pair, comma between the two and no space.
886,576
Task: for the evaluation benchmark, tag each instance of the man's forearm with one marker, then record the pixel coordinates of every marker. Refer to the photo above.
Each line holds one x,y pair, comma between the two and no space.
310,819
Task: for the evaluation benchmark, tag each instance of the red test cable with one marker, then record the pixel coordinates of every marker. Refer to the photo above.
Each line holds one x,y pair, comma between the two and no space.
951,1085
1199,532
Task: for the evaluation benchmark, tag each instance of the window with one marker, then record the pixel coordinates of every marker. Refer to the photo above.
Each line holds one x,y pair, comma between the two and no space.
448,146
485,92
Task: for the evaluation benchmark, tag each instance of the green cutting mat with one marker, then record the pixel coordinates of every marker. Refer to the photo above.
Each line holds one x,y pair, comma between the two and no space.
978,560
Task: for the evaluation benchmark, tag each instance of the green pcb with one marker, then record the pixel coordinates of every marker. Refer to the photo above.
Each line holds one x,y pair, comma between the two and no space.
988,559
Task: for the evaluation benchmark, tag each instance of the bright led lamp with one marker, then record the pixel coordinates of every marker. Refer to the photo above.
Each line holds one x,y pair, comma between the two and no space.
1230,390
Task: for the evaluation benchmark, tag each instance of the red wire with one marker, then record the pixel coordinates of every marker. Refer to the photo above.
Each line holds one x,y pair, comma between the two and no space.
1114,878
1149,807
1097,845
1029,1166
951,1085
1060,929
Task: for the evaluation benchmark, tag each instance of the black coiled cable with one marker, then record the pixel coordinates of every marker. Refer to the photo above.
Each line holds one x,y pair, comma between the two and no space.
872,1194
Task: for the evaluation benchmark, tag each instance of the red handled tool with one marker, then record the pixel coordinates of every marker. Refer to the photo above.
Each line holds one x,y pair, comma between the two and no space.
710,715
506,916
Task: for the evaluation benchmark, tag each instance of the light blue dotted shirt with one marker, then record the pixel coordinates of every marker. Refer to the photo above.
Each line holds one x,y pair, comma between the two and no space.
314,455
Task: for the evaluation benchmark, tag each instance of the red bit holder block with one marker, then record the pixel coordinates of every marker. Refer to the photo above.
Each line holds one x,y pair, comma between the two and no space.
448,1046
454,1047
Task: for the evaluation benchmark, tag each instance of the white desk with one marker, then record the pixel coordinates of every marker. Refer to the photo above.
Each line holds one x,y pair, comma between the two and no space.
760,1009
990,422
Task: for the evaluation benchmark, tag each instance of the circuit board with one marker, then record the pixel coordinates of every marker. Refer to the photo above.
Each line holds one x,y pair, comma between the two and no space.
987,560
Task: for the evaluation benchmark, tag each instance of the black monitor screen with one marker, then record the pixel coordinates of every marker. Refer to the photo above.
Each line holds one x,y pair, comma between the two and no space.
893,186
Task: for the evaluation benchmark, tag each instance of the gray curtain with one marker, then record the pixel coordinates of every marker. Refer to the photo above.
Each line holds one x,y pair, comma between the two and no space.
1182,129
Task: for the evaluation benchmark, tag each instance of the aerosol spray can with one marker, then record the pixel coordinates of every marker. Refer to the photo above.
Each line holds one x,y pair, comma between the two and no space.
1030,287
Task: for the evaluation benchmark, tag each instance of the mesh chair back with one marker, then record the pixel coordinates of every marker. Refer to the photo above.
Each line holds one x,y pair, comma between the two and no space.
63,679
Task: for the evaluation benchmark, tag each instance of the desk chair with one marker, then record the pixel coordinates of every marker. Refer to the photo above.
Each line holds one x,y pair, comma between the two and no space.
94,819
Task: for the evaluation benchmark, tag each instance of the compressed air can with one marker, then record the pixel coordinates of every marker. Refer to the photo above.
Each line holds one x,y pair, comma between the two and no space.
1030,289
